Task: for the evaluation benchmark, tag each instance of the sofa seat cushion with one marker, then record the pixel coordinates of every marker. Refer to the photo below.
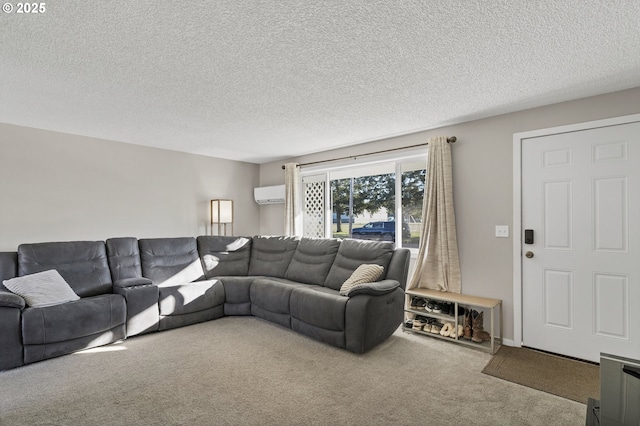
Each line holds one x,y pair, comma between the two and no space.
272,294
85,317
270,299
312,260
192,297
319,306
237,289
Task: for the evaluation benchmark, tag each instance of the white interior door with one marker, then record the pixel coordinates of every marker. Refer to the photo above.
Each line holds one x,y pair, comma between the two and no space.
581,198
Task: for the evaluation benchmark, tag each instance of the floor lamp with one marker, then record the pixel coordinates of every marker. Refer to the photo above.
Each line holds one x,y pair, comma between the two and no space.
222,216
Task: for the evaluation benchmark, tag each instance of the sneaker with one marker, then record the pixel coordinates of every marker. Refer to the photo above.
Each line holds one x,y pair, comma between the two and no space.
417,303
446,308
429,306
436,327
418,324
408,323
437,308
429,324
412,304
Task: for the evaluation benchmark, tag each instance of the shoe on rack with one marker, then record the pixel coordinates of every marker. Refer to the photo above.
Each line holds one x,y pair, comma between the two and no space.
446,329
454,332
437,308
446,308
436,327
478,333
430,323
457,331
467,332
418,324
429,306
412,303
417,303
408,323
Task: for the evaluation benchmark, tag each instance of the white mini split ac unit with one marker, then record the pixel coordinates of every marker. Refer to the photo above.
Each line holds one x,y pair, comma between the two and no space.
269,194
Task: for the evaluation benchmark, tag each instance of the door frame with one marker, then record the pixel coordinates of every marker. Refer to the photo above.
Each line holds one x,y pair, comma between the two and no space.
518,139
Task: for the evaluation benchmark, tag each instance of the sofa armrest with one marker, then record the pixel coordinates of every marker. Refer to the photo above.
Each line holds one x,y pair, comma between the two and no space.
374,289
369,319
11,300
132,282
141,296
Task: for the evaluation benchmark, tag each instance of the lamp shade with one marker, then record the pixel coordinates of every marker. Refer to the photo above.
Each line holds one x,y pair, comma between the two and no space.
221,211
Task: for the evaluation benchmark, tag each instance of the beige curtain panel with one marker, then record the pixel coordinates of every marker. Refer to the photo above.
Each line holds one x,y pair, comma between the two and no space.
291,199
438,264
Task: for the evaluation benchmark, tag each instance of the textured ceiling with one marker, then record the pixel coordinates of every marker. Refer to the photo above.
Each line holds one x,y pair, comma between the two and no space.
264,80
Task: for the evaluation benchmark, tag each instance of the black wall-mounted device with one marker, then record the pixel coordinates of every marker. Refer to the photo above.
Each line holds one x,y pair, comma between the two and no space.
528,236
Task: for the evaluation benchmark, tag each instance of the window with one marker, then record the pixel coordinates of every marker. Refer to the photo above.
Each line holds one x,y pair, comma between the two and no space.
412,187
365,200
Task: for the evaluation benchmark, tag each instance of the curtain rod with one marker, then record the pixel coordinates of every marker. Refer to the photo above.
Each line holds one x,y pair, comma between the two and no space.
451,139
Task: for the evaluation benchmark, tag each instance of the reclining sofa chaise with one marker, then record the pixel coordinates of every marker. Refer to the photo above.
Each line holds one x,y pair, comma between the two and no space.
347,293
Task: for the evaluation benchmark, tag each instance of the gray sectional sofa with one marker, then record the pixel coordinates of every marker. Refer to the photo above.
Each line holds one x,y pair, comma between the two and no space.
129,286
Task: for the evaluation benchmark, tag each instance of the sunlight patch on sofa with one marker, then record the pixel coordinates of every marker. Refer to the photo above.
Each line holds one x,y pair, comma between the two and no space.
237,244
211,261
190,273
146,318
188,293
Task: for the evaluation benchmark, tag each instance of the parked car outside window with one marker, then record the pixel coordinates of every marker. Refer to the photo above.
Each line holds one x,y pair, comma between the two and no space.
381,231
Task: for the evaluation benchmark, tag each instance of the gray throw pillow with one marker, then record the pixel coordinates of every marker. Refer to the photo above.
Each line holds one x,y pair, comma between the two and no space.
42,289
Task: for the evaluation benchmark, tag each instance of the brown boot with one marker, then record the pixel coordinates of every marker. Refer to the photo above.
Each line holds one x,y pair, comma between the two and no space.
479,335
467,325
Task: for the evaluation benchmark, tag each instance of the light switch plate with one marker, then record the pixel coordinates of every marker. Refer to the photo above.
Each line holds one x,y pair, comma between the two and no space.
502,231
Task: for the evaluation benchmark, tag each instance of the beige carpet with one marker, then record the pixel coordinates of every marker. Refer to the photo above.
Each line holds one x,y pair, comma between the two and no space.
568,378
245,371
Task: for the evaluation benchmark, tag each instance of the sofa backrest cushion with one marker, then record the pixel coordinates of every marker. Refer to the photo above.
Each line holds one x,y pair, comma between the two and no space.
170,260
312,260
353,253
224,256
124,258
82,264
270,256
8,266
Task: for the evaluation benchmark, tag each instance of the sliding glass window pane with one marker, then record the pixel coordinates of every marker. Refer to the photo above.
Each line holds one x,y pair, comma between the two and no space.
365,205
413,182
340,202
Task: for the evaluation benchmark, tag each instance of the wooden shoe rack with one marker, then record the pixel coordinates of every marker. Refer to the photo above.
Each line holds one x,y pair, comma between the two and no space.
493,306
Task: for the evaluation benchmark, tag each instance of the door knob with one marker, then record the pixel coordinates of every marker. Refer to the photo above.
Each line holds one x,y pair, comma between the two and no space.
529,254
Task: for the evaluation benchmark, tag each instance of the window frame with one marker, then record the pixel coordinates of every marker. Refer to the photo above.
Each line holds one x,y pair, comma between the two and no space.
397,158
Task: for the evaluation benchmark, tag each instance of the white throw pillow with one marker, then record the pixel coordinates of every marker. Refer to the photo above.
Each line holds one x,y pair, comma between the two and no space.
46,288
366,273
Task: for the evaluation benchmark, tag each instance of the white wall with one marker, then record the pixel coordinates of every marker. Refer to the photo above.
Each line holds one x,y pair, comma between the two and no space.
61,187
482,177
